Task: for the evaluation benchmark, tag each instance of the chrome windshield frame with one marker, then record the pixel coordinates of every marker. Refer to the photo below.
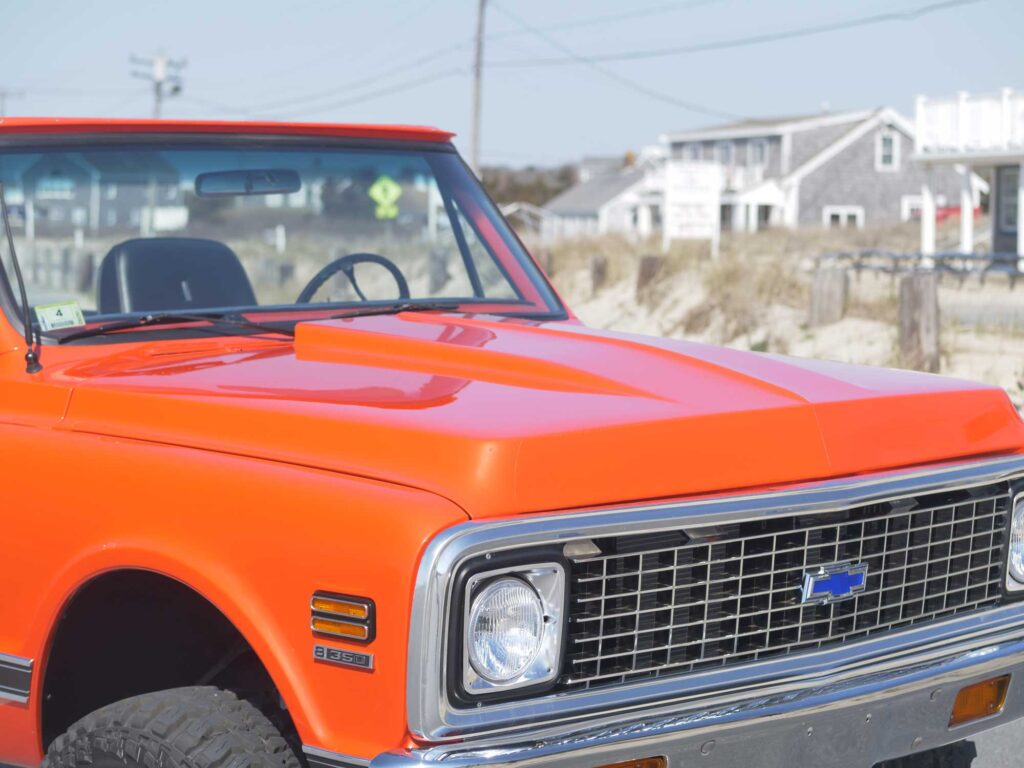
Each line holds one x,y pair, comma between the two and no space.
432,716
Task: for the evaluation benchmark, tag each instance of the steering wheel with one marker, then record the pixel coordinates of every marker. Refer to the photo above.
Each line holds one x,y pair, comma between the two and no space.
347,265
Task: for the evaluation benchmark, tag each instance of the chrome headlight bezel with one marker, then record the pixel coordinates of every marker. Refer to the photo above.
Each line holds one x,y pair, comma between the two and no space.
1014,582
546,576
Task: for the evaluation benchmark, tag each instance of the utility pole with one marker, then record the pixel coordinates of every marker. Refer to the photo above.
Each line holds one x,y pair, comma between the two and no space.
6,94
164,74
478,73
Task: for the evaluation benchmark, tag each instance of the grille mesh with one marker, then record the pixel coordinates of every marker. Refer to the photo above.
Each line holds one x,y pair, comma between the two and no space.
661,604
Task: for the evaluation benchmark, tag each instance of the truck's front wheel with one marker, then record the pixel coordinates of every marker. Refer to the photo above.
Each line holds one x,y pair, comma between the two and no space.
180,728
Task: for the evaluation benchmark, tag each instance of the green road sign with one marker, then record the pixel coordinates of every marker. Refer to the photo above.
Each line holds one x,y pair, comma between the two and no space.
385,192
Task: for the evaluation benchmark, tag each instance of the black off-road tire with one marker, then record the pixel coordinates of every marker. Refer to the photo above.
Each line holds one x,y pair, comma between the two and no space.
958,755
179,728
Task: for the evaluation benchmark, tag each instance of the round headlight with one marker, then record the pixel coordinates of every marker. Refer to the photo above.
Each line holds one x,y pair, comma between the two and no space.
506,627
1017,544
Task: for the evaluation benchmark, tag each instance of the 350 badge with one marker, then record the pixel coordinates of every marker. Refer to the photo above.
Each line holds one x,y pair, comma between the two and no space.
343,658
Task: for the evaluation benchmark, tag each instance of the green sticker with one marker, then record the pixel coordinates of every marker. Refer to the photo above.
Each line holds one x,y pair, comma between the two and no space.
385,192
64,314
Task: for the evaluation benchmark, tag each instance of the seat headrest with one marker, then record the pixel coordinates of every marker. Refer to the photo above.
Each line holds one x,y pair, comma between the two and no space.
166,274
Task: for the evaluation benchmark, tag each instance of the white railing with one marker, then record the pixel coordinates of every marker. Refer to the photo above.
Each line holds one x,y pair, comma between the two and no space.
970,123
739,177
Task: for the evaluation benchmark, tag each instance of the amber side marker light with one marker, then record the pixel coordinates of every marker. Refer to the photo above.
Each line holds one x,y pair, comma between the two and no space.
980,700
328,627
643,762
343,616
341,607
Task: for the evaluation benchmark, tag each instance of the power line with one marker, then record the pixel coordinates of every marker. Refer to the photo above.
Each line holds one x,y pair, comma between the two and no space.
346,87
615,76
5,94
595,21
274,105
739,42
405,85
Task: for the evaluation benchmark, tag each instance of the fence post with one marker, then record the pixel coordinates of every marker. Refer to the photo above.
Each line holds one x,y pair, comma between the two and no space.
647,273
829,296
85,271
598,273
919,321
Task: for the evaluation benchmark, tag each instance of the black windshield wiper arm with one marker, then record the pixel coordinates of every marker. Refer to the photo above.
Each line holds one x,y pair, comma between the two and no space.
221,318
169,318
394,309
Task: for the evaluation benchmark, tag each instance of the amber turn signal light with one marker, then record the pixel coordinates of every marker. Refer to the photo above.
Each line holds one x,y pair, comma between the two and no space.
343,616
980,700
341,628
643,762
341,607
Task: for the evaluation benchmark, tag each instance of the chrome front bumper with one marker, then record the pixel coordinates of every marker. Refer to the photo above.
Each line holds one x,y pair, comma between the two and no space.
857,723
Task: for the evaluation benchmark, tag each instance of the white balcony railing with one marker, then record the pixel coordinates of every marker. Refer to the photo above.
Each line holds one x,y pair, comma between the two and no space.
739,177
970,124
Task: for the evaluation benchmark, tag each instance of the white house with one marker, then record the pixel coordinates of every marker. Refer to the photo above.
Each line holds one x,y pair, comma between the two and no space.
983,134
626,202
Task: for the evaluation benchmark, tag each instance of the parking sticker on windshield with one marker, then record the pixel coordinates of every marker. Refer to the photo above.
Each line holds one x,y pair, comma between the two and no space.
64,314
385,192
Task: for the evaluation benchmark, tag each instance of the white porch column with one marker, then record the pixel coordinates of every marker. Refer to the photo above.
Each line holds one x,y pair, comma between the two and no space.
739,220
966,211
927,219
1020,216
751,217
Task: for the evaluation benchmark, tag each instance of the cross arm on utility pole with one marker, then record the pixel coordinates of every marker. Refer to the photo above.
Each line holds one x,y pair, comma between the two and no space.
165,75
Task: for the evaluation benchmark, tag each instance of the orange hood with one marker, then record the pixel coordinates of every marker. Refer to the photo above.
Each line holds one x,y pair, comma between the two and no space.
504,416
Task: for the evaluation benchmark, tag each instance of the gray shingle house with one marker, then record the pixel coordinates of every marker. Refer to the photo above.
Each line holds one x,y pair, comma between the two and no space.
97,192
849,169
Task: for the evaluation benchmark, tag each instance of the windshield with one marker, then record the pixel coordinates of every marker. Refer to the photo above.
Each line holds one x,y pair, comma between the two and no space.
268,231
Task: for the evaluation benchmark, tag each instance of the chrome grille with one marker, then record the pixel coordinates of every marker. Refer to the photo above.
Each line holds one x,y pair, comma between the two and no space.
667,603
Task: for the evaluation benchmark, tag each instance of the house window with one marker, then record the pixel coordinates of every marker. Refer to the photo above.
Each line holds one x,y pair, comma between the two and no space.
843,216
110,191
172,194
757,153
693,152
910,207
887,150
111,218
1009,188
724,152
55,188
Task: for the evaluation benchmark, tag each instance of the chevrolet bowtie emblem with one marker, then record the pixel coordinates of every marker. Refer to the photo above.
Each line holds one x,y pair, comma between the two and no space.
832,583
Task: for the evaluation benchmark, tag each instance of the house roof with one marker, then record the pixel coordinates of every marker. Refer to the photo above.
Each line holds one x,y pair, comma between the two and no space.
114,165
587,197
768,126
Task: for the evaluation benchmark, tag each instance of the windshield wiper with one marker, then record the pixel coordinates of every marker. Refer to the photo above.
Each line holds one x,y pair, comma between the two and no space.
406,306
170,318
234,320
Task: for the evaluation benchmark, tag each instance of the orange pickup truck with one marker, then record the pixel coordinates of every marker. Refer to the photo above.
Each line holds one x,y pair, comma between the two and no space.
305,463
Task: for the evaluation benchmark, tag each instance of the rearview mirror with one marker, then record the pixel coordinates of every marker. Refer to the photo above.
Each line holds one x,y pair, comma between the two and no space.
259,182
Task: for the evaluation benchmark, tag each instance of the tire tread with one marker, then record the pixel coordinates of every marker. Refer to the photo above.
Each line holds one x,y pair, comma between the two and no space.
195,727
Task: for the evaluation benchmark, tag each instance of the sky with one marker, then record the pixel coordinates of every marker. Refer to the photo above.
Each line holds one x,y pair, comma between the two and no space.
667,64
